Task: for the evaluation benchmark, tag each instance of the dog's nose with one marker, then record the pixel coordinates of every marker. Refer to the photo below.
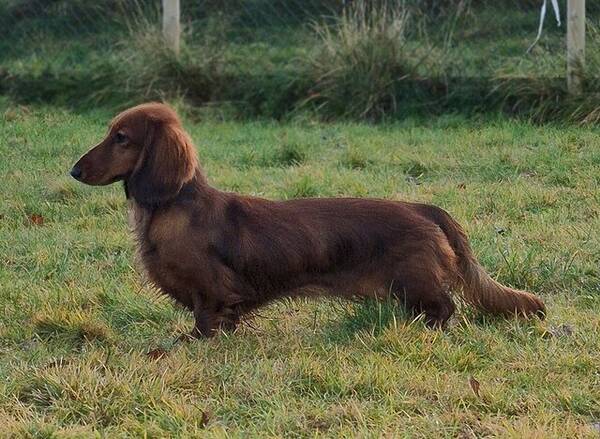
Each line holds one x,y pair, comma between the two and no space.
76,172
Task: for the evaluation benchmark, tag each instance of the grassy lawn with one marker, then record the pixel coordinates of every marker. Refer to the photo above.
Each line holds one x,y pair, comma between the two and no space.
77,321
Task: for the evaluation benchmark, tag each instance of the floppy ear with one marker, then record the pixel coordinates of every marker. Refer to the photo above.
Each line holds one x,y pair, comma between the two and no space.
167,162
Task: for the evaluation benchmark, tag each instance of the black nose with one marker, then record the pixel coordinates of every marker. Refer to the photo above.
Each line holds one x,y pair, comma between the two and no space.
76,172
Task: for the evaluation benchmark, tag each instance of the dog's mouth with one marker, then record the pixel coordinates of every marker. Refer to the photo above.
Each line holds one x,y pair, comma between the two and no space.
92,180
120,177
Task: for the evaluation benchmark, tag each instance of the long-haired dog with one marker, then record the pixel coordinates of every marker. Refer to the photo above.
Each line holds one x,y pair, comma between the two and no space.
222,255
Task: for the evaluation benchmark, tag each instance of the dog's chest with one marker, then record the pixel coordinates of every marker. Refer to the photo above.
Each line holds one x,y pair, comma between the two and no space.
163,251
139,222
159,231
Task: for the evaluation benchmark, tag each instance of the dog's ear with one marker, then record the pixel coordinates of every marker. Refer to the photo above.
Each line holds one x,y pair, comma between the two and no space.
168,161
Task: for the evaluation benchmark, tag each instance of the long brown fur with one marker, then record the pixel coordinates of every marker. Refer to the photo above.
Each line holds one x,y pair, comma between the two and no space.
223,255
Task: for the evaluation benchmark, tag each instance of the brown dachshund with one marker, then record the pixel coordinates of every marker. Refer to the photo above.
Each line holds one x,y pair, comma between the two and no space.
223,255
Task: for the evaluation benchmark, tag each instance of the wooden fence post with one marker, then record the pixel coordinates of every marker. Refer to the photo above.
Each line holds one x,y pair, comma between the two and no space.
575,45
171,25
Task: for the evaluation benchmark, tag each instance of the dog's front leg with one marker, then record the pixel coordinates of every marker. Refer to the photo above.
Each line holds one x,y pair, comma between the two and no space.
211,319
206,322
206,317
214,315
219,305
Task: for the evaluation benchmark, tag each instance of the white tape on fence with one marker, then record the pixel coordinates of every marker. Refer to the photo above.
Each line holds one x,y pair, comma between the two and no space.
542,18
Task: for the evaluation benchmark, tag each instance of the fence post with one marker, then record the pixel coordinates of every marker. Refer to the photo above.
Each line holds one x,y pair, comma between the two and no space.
171,25
575,45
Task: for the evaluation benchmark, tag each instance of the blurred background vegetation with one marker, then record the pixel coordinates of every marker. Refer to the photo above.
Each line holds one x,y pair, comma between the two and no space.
356,59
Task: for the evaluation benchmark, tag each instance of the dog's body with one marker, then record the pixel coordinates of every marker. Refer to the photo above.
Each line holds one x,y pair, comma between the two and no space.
222,254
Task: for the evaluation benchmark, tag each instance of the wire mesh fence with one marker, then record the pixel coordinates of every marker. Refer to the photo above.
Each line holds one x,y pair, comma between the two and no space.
25,21
270,57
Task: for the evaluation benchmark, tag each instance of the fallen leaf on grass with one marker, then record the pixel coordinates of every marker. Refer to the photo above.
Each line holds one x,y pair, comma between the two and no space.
10,115
157,354
14,113
205,418
474,386
35,219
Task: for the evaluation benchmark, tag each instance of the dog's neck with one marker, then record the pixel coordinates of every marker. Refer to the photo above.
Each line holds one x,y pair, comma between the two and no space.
197,185
140,215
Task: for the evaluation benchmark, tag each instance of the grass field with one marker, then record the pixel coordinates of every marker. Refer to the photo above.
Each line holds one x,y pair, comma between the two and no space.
86,348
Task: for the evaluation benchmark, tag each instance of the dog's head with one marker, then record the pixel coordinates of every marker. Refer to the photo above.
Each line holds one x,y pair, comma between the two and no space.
147,147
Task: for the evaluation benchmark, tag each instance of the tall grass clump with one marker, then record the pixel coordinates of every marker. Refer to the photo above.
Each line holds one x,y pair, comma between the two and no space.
537,87
361,59
136,66
146,68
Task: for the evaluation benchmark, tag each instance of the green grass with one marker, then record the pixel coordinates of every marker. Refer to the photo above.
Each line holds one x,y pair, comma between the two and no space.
77,321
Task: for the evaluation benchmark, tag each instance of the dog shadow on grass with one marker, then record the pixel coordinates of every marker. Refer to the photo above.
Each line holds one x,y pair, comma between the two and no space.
369,316
374,317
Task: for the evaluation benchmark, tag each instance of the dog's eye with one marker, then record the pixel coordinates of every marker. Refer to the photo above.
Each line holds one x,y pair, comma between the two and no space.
120,137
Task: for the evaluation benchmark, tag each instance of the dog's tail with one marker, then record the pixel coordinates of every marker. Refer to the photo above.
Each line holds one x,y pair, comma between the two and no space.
478,287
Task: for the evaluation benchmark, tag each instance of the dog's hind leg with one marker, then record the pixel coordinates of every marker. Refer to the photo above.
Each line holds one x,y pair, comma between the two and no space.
433,302
438,307
422,281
